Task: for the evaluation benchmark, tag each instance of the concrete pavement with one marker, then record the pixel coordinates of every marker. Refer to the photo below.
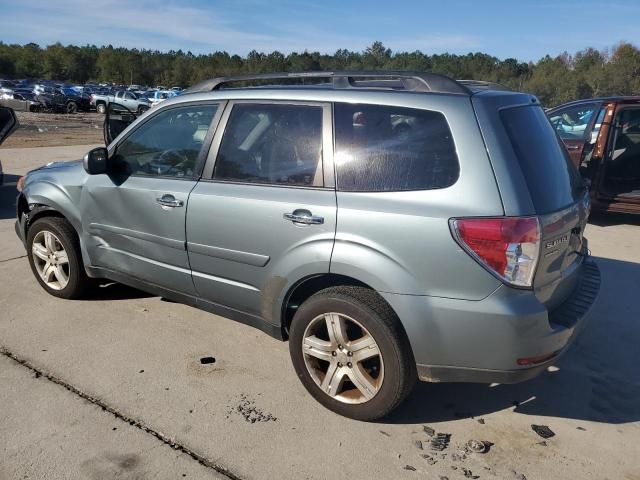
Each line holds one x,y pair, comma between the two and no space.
139,357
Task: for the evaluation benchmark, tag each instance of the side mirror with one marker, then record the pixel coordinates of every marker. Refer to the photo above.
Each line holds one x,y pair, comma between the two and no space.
8,122
96,161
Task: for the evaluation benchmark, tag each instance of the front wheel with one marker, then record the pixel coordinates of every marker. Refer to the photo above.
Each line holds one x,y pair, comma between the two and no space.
101,108
55,258
351,353
72,107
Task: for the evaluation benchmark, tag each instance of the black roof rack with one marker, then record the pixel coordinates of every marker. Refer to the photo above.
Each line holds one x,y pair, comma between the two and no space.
477,85
409,81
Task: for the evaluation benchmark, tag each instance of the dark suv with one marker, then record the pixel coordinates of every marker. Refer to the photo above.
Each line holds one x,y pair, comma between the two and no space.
602,136
391,225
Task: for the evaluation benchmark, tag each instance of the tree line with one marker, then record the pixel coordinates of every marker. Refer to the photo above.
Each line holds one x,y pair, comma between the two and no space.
554,79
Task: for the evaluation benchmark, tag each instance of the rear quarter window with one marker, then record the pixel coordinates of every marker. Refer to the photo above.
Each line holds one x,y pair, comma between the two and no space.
384,148
553,181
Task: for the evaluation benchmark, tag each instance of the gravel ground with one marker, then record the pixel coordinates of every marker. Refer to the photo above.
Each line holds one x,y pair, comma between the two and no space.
56,129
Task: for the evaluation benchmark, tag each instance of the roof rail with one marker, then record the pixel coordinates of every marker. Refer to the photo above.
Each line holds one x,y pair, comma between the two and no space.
477,85
409,81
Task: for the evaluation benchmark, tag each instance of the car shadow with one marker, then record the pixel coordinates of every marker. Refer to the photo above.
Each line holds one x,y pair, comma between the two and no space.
8,195
602,219
597,379
107,290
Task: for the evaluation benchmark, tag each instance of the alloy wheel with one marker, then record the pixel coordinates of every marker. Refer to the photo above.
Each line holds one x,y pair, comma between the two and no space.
50,259
343,358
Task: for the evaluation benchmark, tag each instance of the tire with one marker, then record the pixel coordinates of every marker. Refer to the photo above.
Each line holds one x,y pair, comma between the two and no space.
142,109
389,374
72,107
101,108
56,234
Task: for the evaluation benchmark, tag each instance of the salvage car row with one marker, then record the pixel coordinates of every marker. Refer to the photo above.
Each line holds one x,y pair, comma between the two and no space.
48,96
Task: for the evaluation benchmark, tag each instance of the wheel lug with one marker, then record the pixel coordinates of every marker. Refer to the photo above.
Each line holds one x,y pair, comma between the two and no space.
333,354
339,347
339,364
349,364
349,353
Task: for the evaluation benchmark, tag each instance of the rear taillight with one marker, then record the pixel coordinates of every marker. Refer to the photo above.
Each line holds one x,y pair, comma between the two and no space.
508,246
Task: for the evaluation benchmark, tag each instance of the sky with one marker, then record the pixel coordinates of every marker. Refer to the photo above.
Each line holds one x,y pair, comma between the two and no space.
522,29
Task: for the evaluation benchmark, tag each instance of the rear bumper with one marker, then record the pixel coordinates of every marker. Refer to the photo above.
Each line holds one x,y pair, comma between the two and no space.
482,341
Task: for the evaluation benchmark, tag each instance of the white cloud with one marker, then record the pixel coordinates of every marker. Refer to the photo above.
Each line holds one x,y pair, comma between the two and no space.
147,24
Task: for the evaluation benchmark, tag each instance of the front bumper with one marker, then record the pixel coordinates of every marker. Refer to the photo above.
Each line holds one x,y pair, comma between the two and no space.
481,341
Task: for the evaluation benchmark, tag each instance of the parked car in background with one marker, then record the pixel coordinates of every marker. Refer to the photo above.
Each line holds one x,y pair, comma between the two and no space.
8,123
602,137
75,101
325,214
160,96
6,86
129,99
21,101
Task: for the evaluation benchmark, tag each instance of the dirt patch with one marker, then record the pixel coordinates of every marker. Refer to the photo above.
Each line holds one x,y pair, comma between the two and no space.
56,129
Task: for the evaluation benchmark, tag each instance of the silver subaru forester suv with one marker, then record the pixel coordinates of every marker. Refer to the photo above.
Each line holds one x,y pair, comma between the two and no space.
393,226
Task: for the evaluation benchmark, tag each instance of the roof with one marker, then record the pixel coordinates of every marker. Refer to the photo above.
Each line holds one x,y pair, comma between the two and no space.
379,80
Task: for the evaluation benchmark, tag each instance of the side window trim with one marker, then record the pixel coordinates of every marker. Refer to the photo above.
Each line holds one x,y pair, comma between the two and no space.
326,157
206,144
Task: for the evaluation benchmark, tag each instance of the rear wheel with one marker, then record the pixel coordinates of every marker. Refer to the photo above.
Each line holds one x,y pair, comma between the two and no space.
55,259
72,107
351,353
142,109
101,108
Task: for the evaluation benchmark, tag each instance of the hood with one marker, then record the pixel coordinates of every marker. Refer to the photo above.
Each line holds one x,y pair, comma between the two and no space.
73,165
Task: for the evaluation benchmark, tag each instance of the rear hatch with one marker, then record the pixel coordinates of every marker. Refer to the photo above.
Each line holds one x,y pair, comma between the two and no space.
559,197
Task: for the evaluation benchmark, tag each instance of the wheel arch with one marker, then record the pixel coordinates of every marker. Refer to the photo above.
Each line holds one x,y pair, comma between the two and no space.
36,211
310,285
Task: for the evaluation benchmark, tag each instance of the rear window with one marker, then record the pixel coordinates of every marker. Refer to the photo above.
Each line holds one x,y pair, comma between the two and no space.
384,148
553,181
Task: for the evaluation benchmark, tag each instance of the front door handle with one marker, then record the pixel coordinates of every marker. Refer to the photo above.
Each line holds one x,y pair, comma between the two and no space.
573,147
304,217
168,200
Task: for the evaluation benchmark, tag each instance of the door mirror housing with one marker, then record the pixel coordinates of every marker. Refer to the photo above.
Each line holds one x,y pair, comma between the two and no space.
8,122
96,162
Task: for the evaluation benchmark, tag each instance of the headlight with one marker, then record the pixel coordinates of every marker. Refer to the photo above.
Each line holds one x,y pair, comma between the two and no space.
20,184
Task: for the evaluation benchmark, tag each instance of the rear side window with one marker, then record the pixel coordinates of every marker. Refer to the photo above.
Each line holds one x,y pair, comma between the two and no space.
553,181
273,144
383,148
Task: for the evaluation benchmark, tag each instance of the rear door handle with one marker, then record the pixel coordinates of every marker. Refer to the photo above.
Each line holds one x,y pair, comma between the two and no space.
304,217
168,200
572,147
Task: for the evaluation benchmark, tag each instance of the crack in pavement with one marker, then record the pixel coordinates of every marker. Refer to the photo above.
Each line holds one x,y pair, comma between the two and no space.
201,459
12,258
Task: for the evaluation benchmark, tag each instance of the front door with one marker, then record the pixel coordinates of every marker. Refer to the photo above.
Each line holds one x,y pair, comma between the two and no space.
574,125
619,181
134,217
266,216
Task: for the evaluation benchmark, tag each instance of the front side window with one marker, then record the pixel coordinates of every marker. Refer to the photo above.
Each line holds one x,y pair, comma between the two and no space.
572,123
272,144
167,144
382,148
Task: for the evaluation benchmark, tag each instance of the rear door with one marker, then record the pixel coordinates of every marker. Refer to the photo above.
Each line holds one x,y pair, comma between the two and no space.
264,215
559,199
133,218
